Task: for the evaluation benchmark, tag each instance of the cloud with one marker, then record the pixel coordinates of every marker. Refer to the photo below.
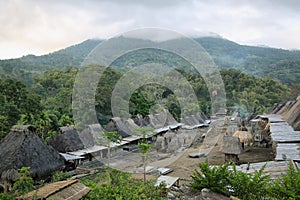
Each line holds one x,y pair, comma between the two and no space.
39,27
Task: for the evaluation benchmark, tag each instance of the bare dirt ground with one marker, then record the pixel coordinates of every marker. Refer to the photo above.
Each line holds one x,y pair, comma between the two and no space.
182,165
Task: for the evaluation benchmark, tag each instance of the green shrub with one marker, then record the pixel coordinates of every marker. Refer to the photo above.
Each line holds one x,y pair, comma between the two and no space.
59,176
122,186
5,196
288,187
24,183
249,186
215,178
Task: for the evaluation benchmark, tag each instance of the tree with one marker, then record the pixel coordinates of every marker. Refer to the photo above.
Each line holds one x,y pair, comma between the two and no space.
111,137
144,146
24,183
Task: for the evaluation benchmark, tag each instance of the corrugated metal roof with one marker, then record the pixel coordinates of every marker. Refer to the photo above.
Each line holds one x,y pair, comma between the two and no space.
169,181
286,151
283,132
88,150
273,118
69,157
273,168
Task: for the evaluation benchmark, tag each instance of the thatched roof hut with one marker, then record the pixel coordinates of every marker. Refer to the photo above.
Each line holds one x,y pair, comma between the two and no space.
94,130
23,148
131,125
231,147
161,120
244,136
140,121
290,112
67,139
117,124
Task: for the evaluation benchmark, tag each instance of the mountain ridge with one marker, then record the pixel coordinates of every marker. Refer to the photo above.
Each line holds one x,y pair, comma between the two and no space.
279,64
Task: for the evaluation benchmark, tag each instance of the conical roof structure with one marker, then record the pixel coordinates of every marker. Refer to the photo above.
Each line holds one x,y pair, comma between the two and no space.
23,148
67,139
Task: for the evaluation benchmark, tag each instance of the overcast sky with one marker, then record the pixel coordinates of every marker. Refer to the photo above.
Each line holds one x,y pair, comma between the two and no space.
43,26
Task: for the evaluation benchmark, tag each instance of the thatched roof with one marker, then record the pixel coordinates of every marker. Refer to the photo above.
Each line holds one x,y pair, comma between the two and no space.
23,148
131,125
244,136
231,145
140,121
117,124
200,117
154,121
290,111
69,189
162,119
93,135
67,139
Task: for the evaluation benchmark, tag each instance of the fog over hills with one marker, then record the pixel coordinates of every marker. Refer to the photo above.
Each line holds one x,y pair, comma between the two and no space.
279,64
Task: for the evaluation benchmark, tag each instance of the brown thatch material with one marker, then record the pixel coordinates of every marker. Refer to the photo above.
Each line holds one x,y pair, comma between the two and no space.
96,131
23,148
131,125
231,145
154,121
140,121
117,124
69,189
244,136
190,120
290,111
66,140
200,117
293,115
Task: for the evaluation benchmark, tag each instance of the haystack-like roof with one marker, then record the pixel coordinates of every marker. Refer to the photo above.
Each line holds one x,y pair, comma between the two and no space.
92,135
61,190
67,139
23,148
244,136
131,125
231,145
290,111
140,121
117,124
154,121
162,119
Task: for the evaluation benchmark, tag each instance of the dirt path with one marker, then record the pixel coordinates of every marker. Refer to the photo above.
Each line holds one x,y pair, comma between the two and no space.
182,165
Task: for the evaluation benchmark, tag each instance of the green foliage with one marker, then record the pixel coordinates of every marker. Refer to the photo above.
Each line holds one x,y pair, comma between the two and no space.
215,178
288,187
123,187
144,148
249,186
15,99
24,183
5,196
59,176
112,137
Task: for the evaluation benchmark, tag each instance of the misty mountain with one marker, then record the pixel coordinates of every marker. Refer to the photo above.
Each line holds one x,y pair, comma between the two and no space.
279,64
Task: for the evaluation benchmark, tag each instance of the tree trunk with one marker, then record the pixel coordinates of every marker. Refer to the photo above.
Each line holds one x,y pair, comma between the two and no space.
144,165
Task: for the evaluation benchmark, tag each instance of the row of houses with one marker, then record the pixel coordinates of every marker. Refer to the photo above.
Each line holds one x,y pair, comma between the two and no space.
285,142
22,147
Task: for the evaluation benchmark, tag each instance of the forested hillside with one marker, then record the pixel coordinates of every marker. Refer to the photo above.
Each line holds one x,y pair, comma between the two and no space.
38,89
278,64
47,104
